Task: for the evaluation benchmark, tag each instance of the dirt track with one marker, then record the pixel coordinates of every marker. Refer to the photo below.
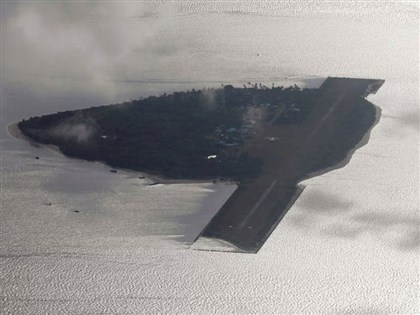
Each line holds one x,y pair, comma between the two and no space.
254,210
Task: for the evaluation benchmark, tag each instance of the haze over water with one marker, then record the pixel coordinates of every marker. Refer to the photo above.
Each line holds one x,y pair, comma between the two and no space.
349,245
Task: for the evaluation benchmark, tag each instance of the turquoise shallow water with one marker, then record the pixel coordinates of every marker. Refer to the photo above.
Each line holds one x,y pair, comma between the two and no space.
348,245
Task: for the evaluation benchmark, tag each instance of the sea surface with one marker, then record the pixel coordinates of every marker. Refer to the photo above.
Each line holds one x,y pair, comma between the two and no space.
77,239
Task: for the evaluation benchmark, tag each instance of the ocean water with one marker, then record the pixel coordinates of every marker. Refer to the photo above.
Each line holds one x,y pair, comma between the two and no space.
77,239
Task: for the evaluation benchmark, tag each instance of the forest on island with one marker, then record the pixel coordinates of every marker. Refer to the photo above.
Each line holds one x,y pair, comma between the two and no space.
192,134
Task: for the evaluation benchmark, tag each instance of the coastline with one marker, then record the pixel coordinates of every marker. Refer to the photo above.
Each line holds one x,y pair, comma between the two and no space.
256,230
300,186
214,244
14,131
250,232
349,155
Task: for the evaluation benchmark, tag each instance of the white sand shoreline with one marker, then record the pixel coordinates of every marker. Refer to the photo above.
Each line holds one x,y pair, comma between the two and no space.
15,132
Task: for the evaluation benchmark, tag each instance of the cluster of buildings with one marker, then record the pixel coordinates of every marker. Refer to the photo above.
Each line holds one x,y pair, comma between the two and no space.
230,138
233,136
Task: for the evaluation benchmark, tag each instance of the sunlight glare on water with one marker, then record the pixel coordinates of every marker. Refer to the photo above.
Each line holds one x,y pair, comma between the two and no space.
78,239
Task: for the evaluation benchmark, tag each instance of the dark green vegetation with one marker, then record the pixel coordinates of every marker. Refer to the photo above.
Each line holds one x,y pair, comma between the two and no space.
269,139
173,135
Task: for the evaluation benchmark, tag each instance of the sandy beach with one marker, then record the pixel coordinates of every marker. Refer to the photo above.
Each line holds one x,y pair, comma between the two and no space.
14,131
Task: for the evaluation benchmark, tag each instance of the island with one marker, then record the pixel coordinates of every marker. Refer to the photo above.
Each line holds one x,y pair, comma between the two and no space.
266,139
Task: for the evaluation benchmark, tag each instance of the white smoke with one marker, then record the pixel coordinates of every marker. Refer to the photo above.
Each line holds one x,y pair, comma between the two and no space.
81,133
208,98
76,128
